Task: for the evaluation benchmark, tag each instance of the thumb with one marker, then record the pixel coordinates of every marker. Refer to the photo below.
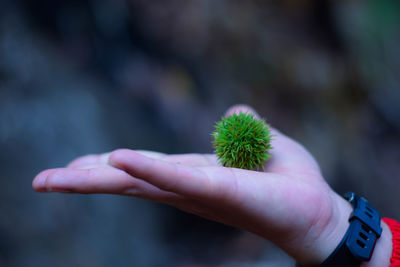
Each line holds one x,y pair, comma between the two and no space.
236,109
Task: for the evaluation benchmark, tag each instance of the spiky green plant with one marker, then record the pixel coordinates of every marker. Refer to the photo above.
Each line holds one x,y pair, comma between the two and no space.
242,141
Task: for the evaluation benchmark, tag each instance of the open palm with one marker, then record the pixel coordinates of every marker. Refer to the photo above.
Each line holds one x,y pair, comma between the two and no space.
290,203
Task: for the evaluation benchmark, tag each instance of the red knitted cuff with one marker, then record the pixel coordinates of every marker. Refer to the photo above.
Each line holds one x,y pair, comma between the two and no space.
395,229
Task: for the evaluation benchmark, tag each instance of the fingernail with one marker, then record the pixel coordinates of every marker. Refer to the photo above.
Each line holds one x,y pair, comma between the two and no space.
39,183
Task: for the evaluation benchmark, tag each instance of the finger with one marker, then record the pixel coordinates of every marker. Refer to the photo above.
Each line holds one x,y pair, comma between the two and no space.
173,177
103,158
193,160
236,109
217,185
290,157
101,179
89,160
186,159
287,155
38,183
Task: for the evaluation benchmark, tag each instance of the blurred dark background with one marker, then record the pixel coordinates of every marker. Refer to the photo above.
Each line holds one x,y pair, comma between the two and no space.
79,77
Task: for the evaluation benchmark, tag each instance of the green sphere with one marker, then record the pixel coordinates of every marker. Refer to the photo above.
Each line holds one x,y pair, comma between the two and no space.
242,141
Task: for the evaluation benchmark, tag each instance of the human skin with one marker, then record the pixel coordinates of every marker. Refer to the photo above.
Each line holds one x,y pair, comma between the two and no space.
289,203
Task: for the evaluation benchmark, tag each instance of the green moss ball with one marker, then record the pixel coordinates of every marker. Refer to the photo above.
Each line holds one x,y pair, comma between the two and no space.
242,141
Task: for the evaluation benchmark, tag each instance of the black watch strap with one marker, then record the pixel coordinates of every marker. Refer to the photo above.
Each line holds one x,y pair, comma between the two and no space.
359,241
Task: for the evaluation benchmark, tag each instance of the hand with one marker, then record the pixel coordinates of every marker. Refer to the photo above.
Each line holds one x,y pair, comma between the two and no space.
290,203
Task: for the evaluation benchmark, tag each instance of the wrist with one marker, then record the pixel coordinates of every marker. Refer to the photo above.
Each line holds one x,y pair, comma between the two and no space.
331,234
336,229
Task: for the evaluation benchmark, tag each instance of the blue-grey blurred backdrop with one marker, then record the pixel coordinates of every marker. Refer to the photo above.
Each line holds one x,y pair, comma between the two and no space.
79,77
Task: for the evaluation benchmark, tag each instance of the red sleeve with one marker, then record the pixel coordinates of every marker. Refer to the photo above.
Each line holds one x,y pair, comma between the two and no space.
395,229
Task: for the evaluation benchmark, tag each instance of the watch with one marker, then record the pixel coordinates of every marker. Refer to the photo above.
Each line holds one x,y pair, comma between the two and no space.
359,240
